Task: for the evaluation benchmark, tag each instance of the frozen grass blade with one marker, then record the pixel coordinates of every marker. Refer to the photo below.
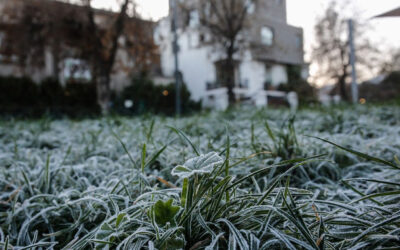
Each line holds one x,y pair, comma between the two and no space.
96,194
362,155
155,156
47,175
185,138
143,159
125,148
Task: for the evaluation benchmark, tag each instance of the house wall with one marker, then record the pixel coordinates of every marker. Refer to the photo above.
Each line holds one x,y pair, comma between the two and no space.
197,63
287,44
274,9
7,69
197,58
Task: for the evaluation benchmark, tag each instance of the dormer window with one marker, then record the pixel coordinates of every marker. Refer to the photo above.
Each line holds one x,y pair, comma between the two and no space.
267,36
194,18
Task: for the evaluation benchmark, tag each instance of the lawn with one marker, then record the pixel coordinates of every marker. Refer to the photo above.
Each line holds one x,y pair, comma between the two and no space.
242,179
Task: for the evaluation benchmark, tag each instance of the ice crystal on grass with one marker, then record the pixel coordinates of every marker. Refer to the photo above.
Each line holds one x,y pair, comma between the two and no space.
203,164
263,181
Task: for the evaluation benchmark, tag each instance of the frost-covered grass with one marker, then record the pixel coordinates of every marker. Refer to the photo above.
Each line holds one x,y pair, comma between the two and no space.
244,179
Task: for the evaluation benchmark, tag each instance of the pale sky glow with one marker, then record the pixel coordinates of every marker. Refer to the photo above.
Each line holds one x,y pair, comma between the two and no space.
384,31
302,13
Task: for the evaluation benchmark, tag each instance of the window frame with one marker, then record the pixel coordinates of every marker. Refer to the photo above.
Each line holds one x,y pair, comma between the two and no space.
271,38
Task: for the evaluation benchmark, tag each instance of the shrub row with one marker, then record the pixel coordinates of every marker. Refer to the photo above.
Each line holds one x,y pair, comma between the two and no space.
387,90
23,97
148,97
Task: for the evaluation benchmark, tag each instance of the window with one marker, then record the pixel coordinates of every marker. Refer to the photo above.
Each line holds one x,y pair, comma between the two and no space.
76,69
202,38
267,36
268,77
251,7
226,74
299,41
194,19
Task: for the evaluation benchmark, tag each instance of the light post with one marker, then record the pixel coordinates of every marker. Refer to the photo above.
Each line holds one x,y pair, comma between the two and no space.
354,87
175,48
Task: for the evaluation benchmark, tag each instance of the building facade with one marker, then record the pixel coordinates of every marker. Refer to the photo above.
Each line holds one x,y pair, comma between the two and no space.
43,39
271,45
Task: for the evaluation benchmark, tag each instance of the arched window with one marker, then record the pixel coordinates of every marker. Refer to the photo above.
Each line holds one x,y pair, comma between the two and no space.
267,36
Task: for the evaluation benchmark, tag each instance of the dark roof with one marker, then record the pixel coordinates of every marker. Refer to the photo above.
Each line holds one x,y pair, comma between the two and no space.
392,13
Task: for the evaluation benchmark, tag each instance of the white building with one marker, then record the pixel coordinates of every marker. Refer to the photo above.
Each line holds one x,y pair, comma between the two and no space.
271,46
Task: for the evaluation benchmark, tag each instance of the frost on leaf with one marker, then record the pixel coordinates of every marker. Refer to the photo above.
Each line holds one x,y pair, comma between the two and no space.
198,165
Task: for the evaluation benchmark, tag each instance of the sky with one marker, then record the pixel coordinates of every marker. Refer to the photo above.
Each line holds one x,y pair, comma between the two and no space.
303,13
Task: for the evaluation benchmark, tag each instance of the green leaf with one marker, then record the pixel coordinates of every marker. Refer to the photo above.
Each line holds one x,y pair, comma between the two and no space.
6,243
120,218
269,131
47,175
27,182
184,192
143,160
106,227
165,212
150,132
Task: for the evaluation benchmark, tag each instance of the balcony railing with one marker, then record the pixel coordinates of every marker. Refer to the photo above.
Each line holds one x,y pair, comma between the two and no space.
217,85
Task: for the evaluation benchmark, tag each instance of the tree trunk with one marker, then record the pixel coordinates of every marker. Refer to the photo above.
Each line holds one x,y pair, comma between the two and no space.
230,76
342,84
103,92
103,66
56,59
342,88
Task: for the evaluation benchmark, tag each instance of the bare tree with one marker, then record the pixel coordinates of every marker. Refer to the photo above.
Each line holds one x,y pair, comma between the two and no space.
104,49
332,50
105,40
225,21
79,31
392,63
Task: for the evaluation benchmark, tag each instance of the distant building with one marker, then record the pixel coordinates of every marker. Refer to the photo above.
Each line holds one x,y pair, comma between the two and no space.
271,45
62,58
